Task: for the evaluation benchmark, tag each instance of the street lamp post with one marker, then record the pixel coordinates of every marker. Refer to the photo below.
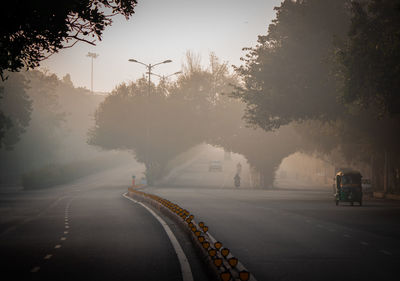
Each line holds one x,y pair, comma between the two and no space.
164,77
92,56
149,68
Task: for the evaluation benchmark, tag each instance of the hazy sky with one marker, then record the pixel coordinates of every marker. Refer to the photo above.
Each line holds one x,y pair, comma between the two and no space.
166,29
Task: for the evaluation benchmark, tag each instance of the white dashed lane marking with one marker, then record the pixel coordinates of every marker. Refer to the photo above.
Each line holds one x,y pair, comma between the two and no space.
346,235
386,252
47,257
35,269
364,243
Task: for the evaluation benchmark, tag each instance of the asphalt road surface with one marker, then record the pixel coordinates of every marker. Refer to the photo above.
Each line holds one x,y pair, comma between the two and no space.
85,231
298,234
88,231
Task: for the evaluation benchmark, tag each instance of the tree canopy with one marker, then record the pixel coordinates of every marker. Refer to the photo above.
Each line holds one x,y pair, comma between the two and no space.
371,57
174,118
33,30
15,110
194,110
287,76
331,69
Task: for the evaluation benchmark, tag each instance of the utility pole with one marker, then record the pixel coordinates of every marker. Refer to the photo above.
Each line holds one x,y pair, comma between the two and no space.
92,56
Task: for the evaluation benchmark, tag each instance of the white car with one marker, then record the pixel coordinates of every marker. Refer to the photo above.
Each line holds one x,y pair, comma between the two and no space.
215,165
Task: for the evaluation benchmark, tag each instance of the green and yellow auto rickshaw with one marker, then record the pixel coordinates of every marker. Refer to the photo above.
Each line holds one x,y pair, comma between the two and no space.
347,186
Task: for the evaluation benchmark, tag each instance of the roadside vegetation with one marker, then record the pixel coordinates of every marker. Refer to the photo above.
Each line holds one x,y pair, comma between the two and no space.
48,145
331,70
177,116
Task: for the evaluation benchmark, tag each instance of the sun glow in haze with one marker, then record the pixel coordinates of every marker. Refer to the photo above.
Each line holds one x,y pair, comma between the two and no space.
161,30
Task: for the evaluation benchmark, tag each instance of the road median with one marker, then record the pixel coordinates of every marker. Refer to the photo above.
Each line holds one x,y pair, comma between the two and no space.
220,261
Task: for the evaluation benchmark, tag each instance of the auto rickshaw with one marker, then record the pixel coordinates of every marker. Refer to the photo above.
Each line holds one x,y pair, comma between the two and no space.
347,186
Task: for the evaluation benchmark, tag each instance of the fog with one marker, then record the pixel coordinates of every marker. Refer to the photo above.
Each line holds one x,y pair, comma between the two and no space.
54,144
218,140
298,91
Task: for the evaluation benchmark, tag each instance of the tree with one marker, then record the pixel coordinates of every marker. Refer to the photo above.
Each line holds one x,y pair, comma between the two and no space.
15,110
33,30
57,131
287,76
329,68
159,127
156,128
371,58
5,122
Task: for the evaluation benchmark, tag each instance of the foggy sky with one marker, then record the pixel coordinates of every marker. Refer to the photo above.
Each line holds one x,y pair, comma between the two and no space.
161,30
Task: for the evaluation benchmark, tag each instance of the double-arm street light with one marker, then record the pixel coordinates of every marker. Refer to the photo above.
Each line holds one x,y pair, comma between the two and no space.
165,76
149,68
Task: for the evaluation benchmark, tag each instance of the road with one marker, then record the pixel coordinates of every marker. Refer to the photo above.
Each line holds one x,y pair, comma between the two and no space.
298,234
88,231
85,231
289,234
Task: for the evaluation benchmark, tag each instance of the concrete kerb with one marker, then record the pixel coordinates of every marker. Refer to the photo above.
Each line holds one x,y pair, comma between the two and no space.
220,261
383,195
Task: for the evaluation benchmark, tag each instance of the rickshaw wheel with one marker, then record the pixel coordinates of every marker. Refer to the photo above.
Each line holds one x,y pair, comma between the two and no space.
360,202
337,202
352,203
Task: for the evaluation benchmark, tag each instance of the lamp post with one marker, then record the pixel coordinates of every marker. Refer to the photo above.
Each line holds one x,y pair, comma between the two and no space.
92,56
149,68
163,78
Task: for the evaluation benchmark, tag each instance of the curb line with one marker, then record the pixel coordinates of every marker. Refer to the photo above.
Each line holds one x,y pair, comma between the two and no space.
221,262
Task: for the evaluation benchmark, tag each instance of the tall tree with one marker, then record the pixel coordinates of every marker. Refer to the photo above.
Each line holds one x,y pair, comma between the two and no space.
287,76
159,127
371,57
293,76
15,110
